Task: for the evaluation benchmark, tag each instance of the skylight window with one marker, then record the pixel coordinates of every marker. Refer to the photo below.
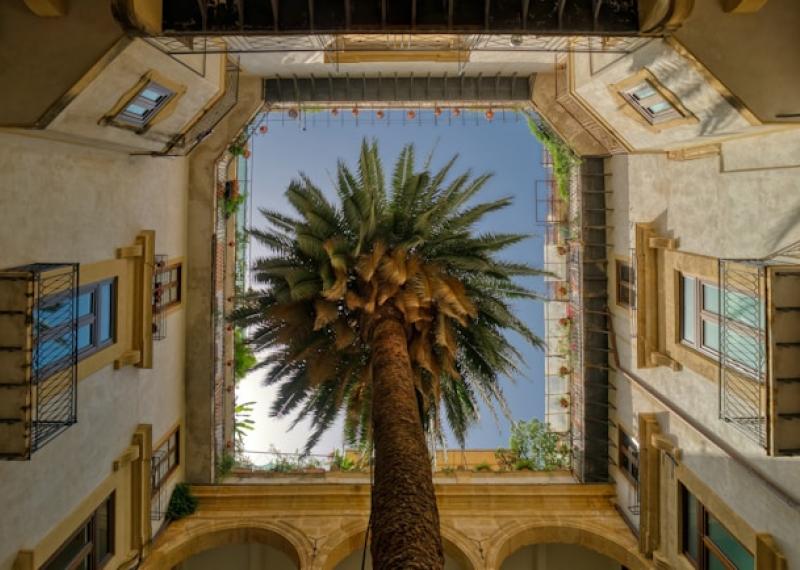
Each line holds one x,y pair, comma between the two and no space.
141,109
651,103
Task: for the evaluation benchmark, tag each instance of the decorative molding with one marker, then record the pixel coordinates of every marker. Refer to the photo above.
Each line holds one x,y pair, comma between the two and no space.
661,359
662,243
664,442
129,251
129,455
768,555
695,152
128,358
659,16
649,485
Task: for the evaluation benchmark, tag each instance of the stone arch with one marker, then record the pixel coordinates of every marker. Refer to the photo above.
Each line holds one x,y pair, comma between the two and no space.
617,545
350,538
184,539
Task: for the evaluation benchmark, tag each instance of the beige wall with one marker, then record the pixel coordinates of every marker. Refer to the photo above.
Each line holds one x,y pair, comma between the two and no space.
711,114
80,117
742,203
754,54
32,51
63,202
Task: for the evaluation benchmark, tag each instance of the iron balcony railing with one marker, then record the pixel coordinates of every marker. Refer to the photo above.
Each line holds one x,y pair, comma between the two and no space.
159,299
759,348
38,355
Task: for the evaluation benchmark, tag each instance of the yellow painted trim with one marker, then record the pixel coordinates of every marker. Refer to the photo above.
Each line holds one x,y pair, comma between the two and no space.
167,434
178,261
446,48
178,89
627,108
768,554
649,486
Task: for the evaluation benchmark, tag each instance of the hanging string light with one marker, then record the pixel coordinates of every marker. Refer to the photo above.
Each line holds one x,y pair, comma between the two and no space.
355,111
380,114
263,129
293,113
456,112
334,111
411,114
437,111
489,114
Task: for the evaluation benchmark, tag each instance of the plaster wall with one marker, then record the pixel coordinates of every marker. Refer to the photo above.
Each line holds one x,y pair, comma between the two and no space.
68,202
713,116
81,117
557,557
32,50
739,204
726,44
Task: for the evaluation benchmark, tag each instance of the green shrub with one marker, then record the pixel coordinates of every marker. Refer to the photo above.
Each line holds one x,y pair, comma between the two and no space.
340,462
182,503
225,465
483,466
563,157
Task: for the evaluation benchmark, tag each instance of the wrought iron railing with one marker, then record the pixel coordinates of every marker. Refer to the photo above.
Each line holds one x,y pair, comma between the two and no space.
38,355
184,143
743,347
158,493
159,302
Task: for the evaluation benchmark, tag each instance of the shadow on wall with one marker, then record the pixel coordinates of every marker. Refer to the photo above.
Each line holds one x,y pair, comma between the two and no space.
558,557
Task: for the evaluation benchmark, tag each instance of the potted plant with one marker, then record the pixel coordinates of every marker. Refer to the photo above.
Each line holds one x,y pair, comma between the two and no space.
564,402
564,371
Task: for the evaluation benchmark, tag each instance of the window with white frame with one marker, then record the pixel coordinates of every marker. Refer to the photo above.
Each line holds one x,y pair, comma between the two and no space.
145,105
651,103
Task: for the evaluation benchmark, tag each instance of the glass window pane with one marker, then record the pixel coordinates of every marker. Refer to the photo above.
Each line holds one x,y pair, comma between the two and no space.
105,542
688,309
624,296
136,110
711,335
729,546
85,303
85,333
711,298
690,510
54,350
744,308
70,551
151,94
659,107
643,91
746,349
54,312
714,562
106,321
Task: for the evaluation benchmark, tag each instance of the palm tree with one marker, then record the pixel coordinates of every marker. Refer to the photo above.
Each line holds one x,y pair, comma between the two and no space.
388,306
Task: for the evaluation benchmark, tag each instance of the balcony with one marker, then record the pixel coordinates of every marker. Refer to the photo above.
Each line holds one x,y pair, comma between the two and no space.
38,356
759,373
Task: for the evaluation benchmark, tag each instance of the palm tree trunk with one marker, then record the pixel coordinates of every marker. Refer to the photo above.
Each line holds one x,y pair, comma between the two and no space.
405,519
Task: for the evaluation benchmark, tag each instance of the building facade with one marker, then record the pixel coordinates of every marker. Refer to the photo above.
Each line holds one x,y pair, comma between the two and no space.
673,319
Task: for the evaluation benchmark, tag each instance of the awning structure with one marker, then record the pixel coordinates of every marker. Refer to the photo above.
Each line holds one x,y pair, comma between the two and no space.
427,16
495,89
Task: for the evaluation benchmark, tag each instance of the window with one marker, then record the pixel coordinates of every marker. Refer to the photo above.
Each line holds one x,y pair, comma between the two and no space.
167,287
96,316
628,457
706,542
166,459
645,98
626,285
147,102
92,545
701,309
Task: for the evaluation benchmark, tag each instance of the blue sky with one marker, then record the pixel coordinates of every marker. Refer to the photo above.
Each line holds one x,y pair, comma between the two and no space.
505,147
